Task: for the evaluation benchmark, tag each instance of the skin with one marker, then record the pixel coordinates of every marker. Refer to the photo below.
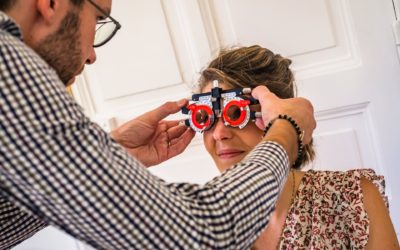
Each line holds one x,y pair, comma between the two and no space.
382,234
228,146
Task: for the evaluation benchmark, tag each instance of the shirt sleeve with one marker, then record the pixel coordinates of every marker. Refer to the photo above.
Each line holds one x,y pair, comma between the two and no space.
60,167
16,225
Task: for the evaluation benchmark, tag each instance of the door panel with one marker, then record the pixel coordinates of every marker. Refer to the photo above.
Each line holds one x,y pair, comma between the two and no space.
343,139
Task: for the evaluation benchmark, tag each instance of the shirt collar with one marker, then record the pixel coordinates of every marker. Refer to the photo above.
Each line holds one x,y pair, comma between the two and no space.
8,25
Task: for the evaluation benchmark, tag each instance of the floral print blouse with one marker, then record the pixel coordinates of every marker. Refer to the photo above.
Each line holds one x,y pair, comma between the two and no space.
328,211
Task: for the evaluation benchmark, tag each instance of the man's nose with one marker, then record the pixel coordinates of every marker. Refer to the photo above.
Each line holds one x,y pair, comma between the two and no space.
92,57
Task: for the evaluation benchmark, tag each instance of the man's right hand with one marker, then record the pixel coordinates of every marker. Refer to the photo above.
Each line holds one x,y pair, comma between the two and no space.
300,109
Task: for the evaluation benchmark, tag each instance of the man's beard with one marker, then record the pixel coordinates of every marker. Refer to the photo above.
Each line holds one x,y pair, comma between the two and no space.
61,50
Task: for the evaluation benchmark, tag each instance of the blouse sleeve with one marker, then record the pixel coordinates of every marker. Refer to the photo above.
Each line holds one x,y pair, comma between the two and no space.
378,181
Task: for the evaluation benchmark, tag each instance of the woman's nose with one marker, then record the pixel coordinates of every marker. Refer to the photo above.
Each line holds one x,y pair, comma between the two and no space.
220,131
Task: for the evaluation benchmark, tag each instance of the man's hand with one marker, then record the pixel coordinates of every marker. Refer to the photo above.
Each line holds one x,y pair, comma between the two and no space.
282,131
300,109
152,140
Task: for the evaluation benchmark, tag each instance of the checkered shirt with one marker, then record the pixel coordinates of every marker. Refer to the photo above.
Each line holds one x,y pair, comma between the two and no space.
59,168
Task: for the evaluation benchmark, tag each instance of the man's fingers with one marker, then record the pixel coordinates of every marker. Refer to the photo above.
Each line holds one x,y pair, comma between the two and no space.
178,145
259,92
172,123
158,114
260,123
176,131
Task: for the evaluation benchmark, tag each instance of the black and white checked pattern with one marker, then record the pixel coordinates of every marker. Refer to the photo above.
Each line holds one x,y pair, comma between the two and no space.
58,168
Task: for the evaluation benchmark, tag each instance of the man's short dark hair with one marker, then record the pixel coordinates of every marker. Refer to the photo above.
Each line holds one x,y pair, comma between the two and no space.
7,4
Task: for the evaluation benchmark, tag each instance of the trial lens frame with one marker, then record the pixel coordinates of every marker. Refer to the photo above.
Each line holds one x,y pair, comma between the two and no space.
216,104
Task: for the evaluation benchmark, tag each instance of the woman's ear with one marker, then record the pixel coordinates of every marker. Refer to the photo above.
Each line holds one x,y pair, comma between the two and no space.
48,9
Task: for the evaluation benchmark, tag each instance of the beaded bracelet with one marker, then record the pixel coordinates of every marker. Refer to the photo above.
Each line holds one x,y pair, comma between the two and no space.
300,135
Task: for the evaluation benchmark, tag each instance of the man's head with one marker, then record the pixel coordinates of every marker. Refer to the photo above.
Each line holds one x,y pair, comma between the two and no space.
62,32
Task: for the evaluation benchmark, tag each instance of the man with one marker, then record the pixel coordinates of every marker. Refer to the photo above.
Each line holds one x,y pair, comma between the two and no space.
58,168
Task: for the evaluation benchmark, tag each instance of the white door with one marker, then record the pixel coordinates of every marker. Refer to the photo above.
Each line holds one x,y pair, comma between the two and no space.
343,51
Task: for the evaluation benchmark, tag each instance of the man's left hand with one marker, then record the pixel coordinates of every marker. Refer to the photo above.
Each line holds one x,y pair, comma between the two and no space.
152,140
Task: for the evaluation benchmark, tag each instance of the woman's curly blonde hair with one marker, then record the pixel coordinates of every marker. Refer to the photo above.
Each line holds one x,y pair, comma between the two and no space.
252,66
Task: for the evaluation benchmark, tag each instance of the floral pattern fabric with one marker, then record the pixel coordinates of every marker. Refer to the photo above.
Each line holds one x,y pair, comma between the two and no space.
328,211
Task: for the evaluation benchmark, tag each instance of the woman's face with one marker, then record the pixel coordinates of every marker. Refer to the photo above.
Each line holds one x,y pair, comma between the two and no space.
226,145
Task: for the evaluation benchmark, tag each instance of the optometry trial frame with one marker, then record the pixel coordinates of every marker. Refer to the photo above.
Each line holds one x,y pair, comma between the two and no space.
233,106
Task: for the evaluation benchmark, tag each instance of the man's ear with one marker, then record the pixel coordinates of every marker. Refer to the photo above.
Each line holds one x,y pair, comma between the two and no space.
48,9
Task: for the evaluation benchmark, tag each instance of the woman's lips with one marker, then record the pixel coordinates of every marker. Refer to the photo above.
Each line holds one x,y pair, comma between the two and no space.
226,154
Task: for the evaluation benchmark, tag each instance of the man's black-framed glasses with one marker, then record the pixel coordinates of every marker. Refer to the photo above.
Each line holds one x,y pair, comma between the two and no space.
105,29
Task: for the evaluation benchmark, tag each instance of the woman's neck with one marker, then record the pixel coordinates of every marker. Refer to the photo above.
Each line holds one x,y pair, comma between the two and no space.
270,237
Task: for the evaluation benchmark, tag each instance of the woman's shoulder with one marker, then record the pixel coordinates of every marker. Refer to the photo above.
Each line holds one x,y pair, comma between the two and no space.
328,210
346,184
338,208
382,234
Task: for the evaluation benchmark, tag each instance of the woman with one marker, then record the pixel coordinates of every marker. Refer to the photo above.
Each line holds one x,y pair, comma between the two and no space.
316,209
